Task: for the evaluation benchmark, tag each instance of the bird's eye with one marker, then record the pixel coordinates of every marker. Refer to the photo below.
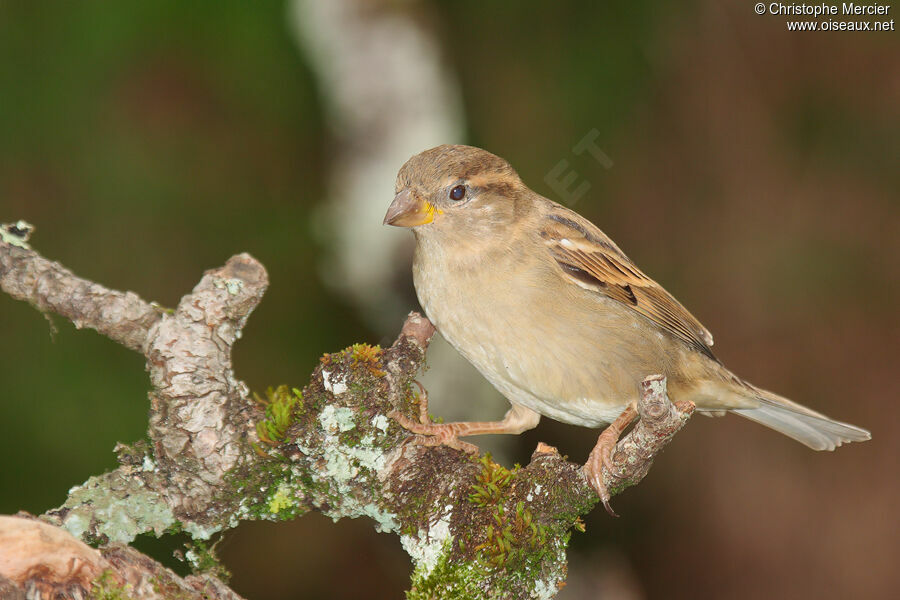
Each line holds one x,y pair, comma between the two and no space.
458,192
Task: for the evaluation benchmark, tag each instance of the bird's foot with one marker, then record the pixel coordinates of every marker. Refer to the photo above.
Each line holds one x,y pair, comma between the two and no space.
601,456
432,434
593,469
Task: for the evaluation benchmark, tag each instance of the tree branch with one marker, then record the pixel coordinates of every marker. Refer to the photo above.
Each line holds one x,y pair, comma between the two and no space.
659,421
216,457
38,560
49,287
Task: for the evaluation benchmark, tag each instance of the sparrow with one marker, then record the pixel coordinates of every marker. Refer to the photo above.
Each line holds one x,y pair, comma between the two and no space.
550,310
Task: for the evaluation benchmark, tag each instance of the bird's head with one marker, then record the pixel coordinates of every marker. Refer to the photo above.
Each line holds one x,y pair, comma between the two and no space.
455,188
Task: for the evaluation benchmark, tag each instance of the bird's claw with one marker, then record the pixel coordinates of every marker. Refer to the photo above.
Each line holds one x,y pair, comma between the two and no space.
428,433
423,403
433,434
600,457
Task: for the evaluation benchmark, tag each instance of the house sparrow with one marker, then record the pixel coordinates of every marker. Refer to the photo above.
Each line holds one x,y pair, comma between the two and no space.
554,314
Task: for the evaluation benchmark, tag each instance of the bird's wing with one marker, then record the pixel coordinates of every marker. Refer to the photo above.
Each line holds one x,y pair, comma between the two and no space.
590,259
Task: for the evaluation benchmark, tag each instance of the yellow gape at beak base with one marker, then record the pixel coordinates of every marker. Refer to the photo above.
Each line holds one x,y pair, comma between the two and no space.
408,210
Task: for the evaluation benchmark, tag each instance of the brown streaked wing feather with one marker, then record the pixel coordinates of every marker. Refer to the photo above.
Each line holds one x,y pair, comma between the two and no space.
586,254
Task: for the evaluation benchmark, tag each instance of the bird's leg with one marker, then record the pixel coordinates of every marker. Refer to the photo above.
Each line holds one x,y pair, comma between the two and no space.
517,419
601,455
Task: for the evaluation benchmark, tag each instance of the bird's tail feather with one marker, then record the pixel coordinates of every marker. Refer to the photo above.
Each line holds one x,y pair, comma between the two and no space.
800,423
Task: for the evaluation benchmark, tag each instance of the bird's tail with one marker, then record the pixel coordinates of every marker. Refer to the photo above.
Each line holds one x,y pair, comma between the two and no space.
796,421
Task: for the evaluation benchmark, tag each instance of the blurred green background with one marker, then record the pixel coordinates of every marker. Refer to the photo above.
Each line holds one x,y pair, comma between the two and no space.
755,175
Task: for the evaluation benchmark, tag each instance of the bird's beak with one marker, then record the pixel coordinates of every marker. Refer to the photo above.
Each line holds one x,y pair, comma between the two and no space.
408,210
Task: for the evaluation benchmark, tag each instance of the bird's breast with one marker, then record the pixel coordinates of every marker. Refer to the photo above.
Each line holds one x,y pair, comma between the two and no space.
556,349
